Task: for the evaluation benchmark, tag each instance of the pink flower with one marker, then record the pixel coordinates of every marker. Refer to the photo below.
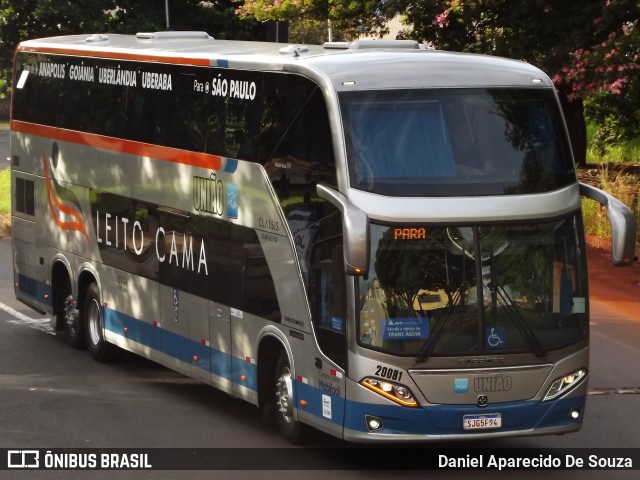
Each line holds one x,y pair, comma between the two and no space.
442,19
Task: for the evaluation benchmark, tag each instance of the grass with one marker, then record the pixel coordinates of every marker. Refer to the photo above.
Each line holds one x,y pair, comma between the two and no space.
626,151
624,186
5,203
5,191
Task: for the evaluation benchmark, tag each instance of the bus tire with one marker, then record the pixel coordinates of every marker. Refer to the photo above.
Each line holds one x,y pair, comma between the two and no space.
61,311
100,349
291,429
73,324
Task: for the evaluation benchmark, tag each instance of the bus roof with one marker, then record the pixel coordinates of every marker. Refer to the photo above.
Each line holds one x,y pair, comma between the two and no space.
361,65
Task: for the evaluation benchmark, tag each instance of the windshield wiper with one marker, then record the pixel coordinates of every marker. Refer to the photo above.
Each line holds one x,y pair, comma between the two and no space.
431,342
513,312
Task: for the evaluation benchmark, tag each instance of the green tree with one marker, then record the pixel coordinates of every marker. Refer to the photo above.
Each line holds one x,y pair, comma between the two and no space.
348,18
41,18
218,18
608,76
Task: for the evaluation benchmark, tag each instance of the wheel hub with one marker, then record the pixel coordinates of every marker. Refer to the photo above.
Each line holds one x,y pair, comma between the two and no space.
284,391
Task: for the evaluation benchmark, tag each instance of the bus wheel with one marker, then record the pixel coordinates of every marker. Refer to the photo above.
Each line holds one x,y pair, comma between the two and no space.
290,428
73,325
92,316
61,310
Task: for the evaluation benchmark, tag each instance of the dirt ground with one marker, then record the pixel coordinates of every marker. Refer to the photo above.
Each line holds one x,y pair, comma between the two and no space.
619,287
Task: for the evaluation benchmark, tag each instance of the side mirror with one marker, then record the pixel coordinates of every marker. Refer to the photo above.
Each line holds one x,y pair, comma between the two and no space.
355,231
622,221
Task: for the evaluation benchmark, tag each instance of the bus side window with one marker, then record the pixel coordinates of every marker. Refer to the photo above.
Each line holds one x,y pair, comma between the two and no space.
185,111
295,145
257,283
232,120
251,286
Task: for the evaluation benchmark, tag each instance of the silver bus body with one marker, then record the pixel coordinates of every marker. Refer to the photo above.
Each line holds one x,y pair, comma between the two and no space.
217,248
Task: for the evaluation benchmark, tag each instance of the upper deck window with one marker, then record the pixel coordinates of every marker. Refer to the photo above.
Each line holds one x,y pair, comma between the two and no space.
452,142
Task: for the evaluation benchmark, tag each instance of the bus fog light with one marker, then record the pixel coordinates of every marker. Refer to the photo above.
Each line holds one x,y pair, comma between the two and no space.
393,391
575,414
373,423
564,384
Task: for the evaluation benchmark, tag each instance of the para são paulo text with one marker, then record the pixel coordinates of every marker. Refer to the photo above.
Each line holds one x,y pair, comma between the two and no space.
498,462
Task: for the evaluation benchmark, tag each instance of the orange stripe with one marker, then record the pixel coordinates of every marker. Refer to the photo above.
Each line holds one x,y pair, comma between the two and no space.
168,154
78,225
200,62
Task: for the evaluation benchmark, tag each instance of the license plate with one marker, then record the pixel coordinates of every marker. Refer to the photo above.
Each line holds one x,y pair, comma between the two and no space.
482,422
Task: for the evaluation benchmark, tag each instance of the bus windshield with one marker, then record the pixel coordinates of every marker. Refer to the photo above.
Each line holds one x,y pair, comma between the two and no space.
474,289
450,142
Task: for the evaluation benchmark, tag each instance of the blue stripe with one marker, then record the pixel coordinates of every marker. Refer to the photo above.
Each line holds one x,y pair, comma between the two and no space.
241,367
313,397
231,165
34,289
183,349
221,63
138,331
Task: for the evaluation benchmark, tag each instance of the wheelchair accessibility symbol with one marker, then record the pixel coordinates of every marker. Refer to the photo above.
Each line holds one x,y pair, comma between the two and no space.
176,298
495,337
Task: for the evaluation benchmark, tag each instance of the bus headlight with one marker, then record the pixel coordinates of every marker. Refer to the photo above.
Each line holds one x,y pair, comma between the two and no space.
393,391
564,384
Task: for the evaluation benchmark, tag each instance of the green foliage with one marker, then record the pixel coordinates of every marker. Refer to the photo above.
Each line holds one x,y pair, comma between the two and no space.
314,32
5,192
595,220
24,19
611,149
349,18
624,187
616,118
218,18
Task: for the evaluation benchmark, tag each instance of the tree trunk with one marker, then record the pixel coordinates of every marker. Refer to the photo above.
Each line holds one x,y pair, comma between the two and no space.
574,115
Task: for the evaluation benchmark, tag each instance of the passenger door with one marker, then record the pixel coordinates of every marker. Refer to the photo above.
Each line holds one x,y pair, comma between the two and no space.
219,291
328,304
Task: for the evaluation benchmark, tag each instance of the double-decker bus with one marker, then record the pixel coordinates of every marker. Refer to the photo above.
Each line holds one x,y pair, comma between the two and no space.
375,239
